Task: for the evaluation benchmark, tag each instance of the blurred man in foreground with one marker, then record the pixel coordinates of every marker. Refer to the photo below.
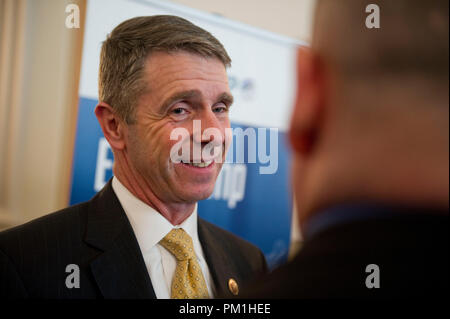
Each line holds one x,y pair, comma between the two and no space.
370,133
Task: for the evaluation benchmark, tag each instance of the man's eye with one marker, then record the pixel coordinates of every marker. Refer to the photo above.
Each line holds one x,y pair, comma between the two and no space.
179,110
220,109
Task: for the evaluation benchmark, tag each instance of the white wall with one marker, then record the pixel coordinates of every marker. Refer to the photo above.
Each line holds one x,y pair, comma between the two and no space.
291,18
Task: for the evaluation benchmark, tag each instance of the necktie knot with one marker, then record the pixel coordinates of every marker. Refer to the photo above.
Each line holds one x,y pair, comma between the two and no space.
188,280
179,243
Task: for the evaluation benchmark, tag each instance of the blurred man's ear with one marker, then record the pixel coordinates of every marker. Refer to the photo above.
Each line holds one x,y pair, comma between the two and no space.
112,126
306,117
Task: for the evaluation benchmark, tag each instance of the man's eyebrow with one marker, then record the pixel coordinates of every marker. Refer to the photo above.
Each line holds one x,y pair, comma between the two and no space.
194,94
180,96
226,98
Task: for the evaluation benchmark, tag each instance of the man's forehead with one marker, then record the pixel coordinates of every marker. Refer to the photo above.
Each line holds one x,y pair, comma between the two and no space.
184,65
189,88
184,71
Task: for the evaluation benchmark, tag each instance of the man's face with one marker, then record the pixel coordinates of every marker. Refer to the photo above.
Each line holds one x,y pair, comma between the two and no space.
181,88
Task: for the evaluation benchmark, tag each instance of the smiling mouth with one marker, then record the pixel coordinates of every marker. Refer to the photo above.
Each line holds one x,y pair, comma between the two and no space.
201,164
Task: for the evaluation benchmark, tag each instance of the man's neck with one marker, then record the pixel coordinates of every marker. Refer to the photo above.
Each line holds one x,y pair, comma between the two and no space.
409,183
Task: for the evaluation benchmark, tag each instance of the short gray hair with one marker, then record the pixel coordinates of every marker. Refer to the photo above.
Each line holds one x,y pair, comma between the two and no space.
123,55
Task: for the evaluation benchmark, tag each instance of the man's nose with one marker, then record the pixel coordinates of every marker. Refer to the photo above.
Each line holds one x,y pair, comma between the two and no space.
211,128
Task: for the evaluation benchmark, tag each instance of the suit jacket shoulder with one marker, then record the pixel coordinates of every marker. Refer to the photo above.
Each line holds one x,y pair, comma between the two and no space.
38,258
410,251
34,256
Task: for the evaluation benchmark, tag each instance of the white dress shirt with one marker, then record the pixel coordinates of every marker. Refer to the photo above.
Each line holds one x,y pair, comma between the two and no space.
150,227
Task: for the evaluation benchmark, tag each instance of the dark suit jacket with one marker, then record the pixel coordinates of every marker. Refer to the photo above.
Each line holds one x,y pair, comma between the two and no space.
97,236
410,249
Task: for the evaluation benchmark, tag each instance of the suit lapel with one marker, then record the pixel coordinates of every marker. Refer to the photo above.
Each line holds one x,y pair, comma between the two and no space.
216,259
119,270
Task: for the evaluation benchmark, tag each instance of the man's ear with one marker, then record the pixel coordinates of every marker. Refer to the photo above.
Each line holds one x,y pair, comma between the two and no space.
112,126
306,120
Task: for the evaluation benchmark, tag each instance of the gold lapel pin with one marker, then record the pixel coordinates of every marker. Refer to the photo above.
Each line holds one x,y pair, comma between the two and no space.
233,286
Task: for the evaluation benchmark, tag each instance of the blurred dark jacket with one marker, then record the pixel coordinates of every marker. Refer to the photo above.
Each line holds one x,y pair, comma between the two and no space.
409,247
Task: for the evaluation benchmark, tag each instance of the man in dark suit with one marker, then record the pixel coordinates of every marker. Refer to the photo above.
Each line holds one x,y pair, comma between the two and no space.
371,154
162,84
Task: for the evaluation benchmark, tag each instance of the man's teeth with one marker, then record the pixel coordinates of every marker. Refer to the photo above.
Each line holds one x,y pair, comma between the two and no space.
202,164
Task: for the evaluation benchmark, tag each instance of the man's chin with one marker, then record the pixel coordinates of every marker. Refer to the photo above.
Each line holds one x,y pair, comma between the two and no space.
194,195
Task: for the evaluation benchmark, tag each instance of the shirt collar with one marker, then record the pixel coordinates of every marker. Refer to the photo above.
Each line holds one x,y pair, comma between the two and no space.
148,224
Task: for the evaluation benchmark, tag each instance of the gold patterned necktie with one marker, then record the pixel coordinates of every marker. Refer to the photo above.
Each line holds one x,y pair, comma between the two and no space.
188,281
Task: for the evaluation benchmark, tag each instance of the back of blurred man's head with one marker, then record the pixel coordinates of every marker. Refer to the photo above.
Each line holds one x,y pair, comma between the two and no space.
371,116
